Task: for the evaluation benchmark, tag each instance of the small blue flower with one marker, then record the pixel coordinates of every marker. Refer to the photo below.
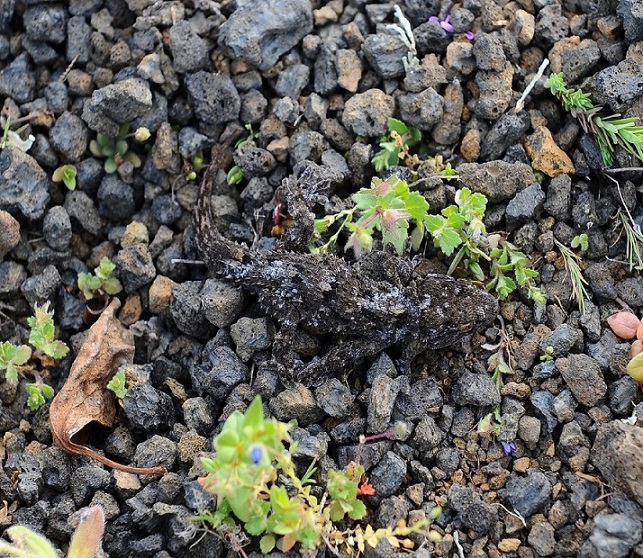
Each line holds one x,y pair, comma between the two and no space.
256,453
476,235
508,447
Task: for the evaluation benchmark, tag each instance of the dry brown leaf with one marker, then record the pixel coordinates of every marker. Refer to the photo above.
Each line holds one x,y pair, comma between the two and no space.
84,398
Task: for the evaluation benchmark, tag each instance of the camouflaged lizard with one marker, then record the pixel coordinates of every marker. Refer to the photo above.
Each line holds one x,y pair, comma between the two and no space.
373,304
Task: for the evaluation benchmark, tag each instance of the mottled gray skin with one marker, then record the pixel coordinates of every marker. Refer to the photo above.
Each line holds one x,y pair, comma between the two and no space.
373,304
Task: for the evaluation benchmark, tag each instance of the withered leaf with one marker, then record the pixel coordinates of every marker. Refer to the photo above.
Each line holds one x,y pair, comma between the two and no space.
84,398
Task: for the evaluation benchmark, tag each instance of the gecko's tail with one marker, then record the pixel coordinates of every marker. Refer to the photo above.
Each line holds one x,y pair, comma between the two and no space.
217,251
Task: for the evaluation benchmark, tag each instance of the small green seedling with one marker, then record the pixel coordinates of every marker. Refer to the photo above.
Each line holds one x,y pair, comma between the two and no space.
235,174
85,542
67,175
580,241
100,282
395,146
253,477
609,131
116,150
15,358
549,354
118,384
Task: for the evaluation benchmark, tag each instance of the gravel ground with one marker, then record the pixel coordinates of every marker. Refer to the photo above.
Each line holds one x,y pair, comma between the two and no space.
317,83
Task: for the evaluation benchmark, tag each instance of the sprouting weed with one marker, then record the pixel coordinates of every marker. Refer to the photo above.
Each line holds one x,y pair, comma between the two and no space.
100,282
116,150
235,174
395,146
67,175
389,208
572,265
118,384
15,358
253,477
609,131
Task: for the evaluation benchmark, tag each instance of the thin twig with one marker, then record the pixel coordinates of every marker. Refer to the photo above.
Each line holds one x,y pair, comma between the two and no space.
514,513
623,169
521,102
63,77
188,262
456,541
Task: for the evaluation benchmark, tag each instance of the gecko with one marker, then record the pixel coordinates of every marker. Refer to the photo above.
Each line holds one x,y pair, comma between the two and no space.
376,303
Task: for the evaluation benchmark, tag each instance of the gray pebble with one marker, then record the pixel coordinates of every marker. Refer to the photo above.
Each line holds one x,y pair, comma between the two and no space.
367,114
615,535
189,51
525,205
388,474
543,404
56,228
385,53
25,186
198,415
260,32
135,266
252,335
41,288
427,435
583,376
85,481
115,199
214,97
542,539
17,80
69,137
296,403
157,451
526,495
82,211
147,408
334,398
475,389
497,180
219,373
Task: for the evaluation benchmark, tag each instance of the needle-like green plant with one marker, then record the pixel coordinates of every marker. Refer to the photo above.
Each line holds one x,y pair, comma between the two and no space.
253,476
15,358
67,175
609,131
572,265
100,282
391,209
85,542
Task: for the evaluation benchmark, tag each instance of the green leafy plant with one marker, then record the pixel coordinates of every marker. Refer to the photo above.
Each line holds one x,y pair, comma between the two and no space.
15,358
580,241
235,174
572,265
85,542
390,208
627,326
67,175
395,146
253,477
609,131
100,282
116,150
548,355
118,384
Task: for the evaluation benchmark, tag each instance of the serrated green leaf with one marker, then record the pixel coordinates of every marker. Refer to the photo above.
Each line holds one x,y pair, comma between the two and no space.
416,205
358,510
112,286
434,222
365,199
395,125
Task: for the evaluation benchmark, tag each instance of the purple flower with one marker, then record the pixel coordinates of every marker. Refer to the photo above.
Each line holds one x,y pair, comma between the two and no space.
448,27
475,236
444,23
255,453
508,447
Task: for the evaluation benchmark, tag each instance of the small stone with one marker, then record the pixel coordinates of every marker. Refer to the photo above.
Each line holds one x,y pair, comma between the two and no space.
252,335
136,267
334,398
382,398
214,97
367,114
260,32
497,180
475,389
25,186
160,294
386,53
17,80
545,154
349,69
509,545
220,372
388,474
10,236
298,403
157,451
522,464
526,205
189,51
527,495
148,409
615,535
221,302
583,376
